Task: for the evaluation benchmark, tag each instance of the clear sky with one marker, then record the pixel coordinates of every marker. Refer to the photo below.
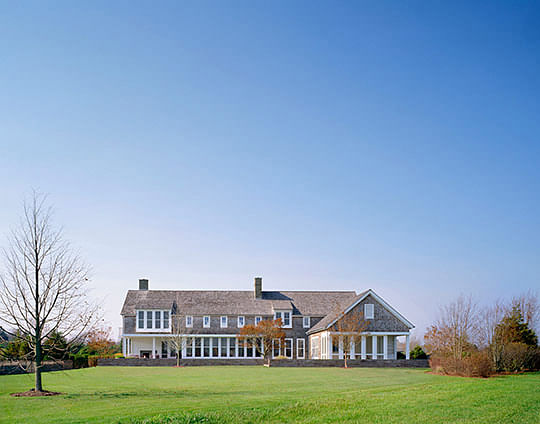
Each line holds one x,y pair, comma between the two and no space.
320,145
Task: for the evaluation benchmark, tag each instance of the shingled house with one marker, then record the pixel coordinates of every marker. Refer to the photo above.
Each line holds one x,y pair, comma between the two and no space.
210,321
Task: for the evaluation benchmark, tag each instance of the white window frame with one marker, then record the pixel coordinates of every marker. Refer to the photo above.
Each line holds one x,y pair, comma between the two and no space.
223,321
303,348
189,321
258,319
285,348
243,318
153,313
282,316
369,311
304,320
204,321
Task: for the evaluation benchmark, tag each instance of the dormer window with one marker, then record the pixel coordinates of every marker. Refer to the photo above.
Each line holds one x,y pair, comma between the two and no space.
152,320
285,317
258,320
223,322
206,321
189,321
306,322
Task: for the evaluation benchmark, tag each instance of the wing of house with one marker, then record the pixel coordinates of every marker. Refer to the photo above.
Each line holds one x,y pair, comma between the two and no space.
211,320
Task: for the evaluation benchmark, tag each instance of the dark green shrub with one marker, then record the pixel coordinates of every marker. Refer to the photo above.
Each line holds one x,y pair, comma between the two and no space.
418,353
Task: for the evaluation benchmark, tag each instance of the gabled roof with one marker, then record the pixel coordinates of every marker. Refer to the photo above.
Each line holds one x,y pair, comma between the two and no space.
199,302
332,317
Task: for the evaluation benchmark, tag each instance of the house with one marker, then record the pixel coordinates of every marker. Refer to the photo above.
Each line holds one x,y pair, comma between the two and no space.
210,321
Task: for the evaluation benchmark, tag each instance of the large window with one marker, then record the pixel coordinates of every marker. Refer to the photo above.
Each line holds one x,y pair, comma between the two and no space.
152,320
300,348
206,347
369,311
285,318
232,347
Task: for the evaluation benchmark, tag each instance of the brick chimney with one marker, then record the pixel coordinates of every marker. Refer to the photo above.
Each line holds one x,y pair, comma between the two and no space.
258,287
143,284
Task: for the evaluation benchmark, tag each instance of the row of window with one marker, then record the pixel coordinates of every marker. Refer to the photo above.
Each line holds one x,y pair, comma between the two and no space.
160,320
230,347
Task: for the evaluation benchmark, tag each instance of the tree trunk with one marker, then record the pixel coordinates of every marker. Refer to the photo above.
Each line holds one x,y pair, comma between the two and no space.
37,370
345,357
177,359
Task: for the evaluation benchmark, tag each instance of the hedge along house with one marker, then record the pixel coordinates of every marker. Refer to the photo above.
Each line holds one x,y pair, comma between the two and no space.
209,322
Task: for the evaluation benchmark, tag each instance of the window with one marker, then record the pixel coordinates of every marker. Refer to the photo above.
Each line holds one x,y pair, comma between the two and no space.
215,347
149,319
165,319
189,321
232,347
276,345
158,318
306,322
287,351
164,353
258,320
223,351
206,347
285,318
224,322
369,312
315,347
241,321
206,321
300,348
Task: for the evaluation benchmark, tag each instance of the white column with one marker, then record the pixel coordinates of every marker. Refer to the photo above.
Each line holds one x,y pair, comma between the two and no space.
124,346
153,347
168,348
236,348
407,346
211,345
340,347
184,347
374,347
363,351
219,347
385,347
395,347
351,349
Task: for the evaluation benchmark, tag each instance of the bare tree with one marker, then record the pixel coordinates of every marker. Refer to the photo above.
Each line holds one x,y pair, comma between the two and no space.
456,329
42,284
179,339
349,325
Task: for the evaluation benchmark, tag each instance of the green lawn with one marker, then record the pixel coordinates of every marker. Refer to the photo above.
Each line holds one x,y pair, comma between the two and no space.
278,395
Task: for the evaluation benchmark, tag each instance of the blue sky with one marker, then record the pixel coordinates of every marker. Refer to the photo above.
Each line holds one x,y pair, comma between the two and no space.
320,145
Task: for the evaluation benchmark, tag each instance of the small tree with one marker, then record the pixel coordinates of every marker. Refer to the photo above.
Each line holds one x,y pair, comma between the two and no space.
99,342
349,325
178,339
42,286
268,332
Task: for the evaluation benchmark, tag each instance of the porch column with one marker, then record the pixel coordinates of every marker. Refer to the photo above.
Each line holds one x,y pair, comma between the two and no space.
168,348
329,351
236,348
124,346
340,347
385,347
395,347
374,347
351,349
153,348
407,346
363,351
211,345
184,347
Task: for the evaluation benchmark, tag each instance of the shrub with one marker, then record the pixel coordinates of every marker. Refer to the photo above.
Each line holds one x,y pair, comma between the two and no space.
519,357
79,361
418,353
118,356
400,355
472,364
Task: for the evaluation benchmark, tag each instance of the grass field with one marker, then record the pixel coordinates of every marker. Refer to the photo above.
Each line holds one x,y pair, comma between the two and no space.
277,395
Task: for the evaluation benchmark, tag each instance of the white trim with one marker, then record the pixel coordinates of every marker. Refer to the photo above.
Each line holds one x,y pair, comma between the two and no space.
304,322
282,312
303,348
152,312
191,320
